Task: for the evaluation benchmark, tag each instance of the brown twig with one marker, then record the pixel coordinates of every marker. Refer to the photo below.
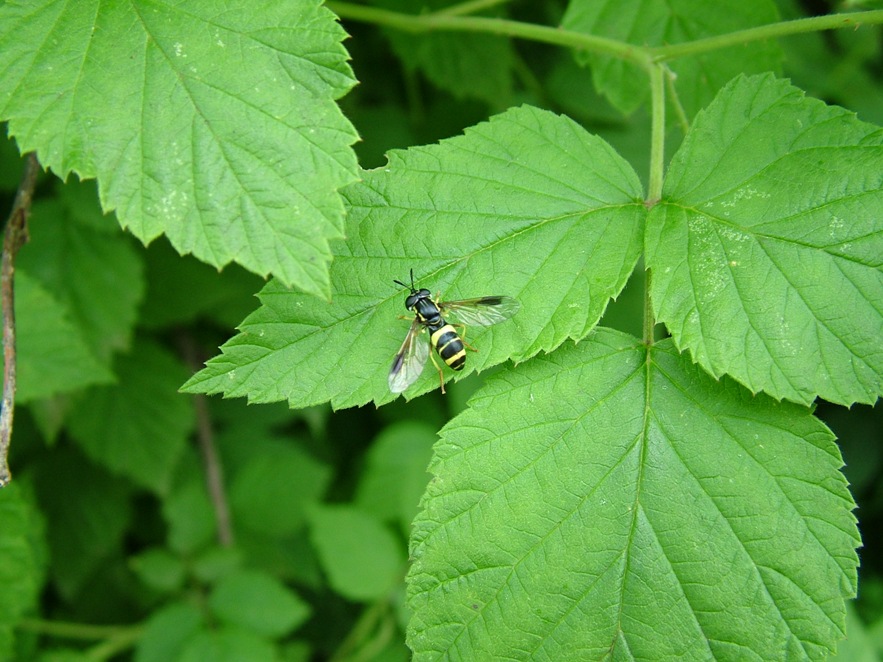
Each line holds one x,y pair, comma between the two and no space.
14,237
214,471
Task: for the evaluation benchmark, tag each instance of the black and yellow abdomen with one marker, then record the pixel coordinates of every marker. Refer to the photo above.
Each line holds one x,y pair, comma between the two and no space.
448,345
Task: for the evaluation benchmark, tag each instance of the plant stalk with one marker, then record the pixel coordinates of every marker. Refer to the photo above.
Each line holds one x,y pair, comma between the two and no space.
655,181
14,237
82,631
657,134
211,461
443,21
470,7
765,32
454,19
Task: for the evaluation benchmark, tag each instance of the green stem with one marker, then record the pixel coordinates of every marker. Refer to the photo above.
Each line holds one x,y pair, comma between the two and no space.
657,171
115,645
657,134
451,19
528,79
771,31
500,26
470,7
67,630
675,101
368,622
649,319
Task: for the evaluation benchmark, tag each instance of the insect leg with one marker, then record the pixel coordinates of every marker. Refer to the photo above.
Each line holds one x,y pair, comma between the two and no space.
462,334
441,375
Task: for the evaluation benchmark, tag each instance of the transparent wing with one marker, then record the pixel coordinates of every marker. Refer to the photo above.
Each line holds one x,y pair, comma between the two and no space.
410,359
482,311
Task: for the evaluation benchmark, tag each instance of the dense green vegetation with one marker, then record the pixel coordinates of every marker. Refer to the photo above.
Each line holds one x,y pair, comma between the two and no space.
646,461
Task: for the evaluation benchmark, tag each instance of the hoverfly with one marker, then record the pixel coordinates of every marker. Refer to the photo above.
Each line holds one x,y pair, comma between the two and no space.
429,316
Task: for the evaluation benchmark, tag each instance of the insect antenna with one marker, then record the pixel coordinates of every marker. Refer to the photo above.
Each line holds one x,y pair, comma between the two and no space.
402,284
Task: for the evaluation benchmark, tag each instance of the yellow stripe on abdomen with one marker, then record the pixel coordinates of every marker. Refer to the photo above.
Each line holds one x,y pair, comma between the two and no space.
449,346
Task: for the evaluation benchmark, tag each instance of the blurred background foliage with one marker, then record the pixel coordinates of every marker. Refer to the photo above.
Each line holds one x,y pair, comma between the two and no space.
313,562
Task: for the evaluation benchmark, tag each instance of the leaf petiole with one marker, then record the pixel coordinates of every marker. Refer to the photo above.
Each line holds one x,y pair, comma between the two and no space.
763,32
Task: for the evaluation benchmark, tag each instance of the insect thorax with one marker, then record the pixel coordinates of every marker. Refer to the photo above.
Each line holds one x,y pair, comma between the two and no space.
427,312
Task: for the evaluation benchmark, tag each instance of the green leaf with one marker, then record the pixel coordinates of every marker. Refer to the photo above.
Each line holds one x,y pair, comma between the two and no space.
215,563
167,632
216,126
463,63
80,200
21,571
182,290
97,275
11,164
258,602
765,251
569,86
857,647
52,354
395,475
159,569
527,205
228,645
291,559
299,651
362,559
834,66
139,427
279,476
190,517
606,502
64,655
667,23
87,513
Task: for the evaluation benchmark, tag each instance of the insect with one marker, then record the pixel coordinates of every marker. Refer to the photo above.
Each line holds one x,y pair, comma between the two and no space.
429,315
